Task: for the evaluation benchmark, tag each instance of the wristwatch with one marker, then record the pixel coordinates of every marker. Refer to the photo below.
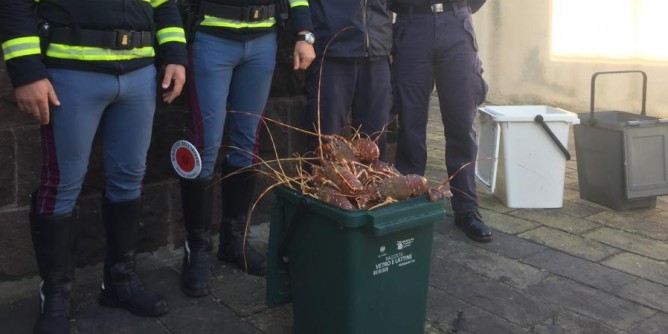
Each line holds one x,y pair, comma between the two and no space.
307,37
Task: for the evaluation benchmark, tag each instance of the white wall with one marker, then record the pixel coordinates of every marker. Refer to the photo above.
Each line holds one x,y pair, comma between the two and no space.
514,41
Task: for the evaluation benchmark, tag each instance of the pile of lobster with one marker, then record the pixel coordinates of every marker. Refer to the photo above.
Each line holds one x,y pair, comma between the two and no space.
350,175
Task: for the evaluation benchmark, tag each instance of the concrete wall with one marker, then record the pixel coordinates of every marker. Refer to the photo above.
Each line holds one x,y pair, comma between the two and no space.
514,41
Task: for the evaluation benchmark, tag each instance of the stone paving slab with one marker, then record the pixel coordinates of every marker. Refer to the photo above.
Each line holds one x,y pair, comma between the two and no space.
650,269
570,194
227,289
566,322
557,220
99,319
443,309
511,246
479,321
216,319
658,324
492,296
578,209
455,316
660,221
507,224
580,270
19,316
595,304
633,243
649,224
273,321
489,202
446,245
646,293
589,249
499,268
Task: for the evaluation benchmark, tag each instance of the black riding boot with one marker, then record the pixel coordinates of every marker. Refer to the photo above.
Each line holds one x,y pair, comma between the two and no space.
122,287
237,194
54,240
196,198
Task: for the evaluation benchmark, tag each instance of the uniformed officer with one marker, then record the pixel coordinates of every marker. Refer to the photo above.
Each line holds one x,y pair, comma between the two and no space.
434,42
92,67
232,60
353,45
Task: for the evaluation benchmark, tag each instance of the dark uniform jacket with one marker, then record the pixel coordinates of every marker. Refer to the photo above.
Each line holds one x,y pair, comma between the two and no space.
474,4
244,29
353,28
20,19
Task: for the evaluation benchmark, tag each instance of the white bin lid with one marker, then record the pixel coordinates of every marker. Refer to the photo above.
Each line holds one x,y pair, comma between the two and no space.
488,133
527,113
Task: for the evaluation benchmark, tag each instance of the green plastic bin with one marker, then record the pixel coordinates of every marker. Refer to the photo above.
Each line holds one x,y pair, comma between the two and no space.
351,271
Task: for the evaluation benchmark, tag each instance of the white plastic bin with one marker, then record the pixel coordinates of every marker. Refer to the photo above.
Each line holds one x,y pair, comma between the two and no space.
519,161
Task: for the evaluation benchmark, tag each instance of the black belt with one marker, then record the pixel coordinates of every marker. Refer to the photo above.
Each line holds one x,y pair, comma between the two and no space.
108,39
239,13
445,6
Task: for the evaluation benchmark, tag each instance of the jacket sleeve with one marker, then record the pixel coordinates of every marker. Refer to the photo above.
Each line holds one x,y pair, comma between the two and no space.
169,32
476,5
20,42
300,16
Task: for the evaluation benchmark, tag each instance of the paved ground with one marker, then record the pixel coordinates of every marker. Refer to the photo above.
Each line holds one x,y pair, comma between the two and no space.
583,268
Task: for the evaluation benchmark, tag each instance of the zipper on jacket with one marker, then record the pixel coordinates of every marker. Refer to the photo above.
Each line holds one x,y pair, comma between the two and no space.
366,29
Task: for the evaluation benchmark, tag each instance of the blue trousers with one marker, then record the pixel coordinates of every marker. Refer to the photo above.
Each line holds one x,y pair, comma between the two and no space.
438,49
349,87
122,107
230,82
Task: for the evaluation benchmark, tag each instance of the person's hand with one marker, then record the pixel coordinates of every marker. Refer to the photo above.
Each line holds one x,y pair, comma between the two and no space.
303,55
34,99
173,81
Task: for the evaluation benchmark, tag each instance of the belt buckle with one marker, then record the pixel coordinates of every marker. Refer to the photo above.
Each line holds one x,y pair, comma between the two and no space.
124,39
255,13
437,8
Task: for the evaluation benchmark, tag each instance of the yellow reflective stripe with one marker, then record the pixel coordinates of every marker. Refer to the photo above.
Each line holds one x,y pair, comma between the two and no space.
294,4
63,51
171,34
213,21
156,3
22,46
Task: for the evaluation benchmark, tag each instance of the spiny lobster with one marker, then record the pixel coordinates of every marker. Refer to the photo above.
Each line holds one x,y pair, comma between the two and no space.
351,176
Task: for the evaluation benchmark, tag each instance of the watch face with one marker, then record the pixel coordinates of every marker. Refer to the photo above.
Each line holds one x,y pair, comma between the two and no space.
308,37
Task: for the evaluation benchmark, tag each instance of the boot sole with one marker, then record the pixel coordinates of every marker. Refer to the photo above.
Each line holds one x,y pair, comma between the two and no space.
475,237
479,239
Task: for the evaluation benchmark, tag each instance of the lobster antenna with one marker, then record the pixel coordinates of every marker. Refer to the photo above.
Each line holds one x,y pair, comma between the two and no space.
322,63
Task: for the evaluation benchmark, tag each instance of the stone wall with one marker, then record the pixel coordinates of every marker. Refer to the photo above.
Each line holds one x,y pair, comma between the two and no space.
161,224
